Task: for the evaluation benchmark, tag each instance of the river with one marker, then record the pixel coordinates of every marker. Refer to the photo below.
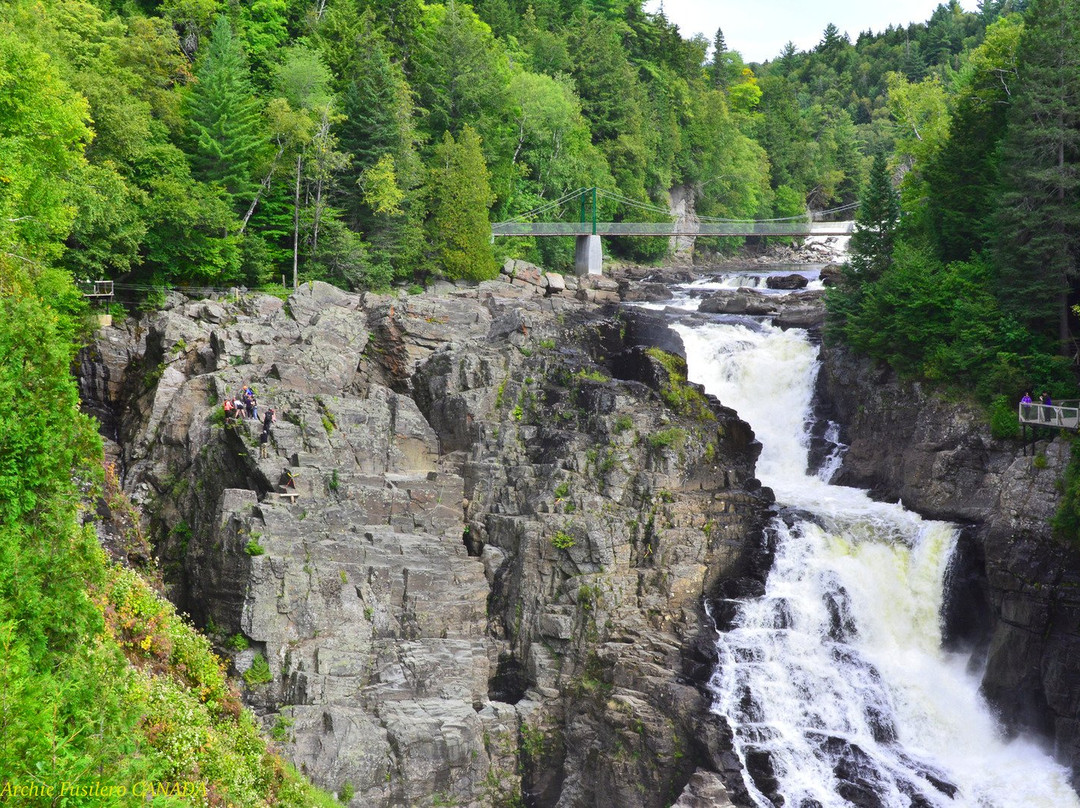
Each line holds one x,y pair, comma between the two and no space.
835,682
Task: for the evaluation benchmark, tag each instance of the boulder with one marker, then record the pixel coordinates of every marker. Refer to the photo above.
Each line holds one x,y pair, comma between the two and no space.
792,281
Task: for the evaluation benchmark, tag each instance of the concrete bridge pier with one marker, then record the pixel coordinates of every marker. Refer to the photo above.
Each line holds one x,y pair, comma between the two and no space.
588,256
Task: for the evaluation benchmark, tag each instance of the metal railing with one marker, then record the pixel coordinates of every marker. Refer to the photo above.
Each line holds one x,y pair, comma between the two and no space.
1064,415
96,289
672,228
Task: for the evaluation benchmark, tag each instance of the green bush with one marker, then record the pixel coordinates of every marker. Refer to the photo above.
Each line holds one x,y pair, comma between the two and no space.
562,540
1004,422
1066,522
259,672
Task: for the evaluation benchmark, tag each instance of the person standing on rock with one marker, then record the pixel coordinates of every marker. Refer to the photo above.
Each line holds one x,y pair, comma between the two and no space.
264,438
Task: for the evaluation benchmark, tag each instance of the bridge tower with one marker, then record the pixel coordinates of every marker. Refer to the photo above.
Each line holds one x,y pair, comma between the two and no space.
588,254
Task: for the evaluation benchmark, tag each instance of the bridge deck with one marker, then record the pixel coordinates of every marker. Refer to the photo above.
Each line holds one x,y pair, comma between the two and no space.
673,229
1065,415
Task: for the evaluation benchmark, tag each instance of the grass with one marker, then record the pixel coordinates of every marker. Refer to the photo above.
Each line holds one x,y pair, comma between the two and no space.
670,438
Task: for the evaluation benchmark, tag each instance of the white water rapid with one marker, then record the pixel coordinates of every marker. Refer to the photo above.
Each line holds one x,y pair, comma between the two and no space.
834,681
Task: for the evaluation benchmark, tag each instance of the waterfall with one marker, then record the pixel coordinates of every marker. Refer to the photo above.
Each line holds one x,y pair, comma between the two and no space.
834,681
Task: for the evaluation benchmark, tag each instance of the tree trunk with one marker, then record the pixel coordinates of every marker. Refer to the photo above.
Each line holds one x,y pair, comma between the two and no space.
263,186
296,227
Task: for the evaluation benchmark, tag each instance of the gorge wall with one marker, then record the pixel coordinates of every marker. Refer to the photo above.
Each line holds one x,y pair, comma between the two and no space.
1014,591
485,579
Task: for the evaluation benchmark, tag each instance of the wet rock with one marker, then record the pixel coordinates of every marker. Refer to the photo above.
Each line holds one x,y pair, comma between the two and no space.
831,275
792,281
738,301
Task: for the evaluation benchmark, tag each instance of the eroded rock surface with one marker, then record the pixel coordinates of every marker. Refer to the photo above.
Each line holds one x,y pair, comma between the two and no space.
474,554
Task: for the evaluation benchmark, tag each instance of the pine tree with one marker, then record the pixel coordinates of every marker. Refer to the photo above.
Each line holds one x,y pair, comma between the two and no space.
460,196
1037,226
224,122
875,225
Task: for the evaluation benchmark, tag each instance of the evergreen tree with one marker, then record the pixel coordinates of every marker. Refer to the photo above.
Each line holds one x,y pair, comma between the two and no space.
872,242
224,123
460,196
1038,221
962,177
378,130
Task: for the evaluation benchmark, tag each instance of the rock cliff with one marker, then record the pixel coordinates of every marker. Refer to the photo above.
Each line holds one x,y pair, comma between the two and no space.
470,564
1015,591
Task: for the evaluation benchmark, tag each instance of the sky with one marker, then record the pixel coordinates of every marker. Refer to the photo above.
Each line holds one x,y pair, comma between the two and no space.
759,30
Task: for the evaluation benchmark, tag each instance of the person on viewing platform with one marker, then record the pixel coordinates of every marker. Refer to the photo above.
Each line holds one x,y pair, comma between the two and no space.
1047,404
1026,401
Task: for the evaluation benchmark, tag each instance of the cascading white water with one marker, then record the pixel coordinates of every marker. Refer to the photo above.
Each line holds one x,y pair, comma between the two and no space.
834,681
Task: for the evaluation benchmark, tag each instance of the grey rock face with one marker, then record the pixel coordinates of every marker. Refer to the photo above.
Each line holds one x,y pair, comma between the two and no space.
938,458
472,560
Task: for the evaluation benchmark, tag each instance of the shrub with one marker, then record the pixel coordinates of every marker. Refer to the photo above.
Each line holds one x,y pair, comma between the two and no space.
562,540
1003,419
259,672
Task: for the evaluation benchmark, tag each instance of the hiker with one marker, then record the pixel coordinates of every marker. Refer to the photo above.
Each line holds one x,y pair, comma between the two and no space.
229,410
238,407
264,438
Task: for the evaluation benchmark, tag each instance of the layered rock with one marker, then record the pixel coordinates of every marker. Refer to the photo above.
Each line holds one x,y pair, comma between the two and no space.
472,560
1015,588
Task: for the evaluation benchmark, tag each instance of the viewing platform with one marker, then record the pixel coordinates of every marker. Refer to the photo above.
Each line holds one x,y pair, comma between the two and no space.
1065,415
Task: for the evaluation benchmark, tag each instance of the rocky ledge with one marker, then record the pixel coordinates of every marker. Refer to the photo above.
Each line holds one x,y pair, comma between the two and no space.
1014,590
469,567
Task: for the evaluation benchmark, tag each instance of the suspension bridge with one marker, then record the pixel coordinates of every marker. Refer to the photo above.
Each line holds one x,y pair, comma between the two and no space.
588,255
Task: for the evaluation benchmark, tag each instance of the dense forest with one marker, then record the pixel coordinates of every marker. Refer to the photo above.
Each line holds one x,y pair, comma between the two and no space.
369,143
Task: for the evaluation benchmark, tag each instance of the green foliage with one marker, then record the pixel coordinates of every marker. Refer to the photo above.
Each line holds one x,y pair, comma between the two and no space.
43,130
259,672
875,225
1004,422
224,127
280,731
459,198
562,540
253,548
237,642
1037,223
671,438
591,376
681,396
346,793
1066,521
99,672
562,489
